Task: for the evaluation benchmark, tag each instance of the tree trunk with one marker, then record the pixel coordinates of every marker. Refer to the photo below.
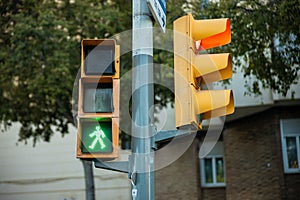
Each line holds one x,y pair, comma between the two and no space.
89,179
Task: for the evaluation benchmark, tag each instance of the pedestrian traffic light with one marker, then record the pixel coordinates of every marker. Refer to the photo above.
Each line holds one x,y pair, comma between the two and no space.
193,69
98,102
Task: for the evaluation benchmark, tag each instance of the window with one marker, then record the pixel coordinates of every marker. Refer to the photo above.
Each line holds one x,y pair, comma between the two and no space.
290,138
212,167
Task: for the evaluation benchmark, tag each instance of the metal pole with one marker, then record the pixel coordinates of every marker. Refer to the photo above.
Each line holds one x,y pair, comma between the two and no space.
142,102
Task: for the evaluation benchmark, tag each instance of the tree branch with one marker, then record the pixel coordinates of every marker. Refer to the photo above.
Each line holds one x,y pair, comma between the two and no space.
67,114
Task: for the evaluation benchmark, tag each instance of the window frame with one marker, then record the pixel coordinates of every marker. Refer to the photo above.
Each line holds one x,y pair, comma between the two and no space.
284,135
214,171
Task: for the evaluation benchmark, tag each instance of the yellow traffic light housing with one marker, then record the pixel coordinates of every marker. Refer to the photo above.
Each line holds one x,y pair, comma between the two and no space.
191,70
98,102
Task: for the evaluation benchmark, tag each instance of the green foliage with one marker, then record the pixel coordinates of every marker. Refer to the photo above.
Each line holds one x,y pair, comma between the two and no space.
163,74
40,57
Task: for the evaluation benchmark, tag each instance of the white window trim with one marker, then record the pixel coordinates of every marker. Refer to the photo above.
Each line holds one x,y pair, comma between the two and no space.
284,149
203,177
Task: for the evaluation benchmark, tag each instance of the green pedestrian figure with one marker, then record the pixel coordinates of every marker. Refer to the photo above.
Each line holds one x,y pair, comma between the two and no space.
99,137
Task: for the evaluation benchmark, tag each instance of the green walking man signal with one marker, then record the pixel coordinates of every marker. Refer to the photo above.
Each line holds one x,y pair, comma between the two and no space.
99,135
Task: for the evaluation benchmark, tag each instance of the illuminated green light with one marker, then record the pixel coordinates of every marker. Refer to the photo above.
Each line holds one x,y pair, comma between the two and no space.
99,118
200,118
96,136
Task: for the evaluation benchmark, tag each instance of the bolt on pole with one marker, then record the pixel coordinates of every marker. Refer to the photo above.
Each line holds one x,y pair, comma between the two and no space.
142,102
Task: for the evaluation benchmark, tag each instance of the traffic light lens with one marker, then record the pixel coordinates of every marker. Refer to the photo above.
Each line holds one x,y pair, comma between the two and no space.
99,60
98,98
96,136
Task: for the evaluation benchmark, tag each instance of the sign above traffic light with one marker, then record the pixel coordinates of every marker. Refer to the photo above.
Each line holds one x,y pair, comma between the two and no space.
192,70
98,102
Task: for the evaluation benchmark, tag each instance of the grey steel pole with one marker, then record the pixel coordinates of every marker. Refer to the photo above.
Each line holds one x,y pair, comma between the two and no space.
142,102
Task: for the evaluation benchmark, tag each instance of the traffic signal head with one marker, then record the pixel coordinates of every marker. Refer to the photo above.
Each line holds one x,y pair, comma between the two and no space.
192,70
98,102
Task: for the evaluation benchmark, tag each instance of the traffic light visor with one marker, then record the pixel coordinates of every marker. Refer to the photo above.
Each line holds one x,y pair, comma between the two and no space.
214,103
212,67
210,32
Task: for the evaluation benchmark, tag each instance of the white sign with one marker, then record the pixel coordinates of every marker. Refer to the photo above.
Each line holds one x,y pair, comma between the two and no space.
159,10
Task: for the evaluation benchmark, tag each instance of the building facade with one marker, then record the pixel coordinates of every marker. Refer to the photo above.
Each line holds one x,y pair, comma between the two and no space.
256,150
256,157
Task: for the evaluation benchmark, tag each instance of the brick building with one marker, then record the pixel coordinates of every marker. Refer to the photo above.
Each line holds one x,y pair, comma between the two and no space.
255,149
256,157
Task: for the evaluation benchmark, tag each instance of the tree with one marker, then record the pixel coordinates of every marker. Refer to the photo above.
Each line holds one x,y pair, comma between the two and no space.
40,57
265,39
